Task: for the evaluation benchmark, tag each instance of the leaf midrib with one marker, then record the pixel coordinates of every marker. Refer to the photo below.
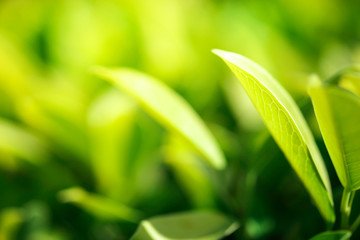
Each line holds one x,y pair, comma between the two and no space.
288,115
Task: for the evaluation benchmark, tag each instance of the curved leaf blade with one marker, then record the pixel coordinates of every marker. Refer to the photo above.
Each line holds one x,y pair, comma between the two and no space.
287,126
209,225
335,235
169,108
101,207
338,113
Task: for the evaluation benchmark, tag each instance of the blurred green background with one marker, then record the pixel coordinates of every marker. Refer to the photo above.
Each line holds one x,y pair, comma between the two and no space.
81,160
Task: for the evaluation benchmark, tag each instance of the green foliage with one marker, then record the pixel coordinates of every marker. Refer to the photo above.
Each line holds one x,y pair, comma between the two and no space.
207,225
111,119
20,143
84,158
337,111
99,206
10,220
336,235
192,175
169,109
288,127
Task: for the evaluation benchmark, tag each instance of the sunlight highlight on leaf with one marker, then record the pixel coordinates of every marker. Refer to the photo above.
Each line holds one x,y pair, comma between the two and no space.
288,127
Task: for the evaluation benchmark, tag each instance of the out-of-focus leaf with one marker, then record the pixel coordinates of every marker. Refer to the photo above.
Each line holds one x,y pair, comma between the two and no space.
37,218
338,113
101,207
110,119
288,127
335,235
19,142
16,71
37,223
190,172
85,33
167,36
207,225
49,95
55,125
257,228
27,27
352,84
10,219
168,108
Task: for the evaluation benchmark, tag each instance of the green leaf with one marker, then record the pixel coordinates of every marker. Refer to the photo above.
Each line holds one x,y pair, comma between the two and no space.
336,235
287,126
99,206
111,120
204,225
338,114
169,109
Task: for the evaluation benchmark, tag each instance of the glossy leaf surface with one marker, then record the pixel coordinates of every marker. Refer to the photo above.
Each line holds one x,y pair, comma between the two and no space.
288,127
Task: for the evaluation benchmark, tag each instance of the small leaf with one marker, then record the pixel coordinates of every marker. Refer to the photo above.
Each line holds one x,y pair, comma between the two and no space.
169,109
99,206
288,127
336,235
338,113
202,225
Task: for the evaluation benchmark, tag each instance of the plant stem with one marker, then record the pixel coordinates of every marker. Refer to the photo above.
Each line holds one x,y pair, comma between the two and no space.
345,207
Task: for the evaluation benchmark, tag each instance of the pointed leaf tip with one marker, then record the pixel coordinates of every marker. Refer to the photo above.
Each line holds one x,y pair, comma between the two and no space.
169,109
287,125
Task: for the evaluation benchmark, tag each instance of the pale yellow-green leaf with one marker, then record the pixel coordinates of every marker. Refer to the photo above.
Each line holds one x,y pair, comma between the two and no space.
169,108
99,206
338,114
288,127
